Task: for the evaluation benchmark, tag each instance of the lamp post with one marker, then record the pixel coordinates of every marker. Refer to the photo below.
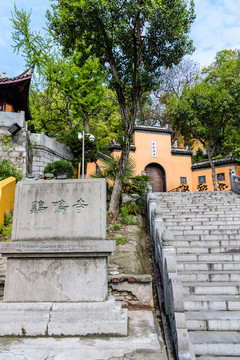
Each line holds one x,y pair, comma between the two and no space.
81,136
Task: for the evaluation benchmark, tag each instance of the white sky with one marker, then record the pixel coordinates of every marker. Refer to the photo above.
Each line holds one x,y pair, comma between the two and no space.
216,27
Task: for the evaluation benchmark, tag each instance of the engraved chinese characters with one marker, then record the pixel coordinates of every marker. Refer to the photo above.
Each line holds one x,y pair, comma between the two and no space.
60,209
58,206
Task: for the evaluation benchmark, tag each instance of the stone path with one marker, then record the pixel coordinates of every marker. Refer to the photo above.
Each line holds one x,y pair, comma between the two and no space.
206,231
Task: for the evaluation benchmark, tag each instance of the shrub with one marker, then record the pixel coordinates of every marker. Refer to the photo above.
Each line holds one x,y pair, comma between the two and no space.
135,185
7,169
222,186
184,188
202,187
60,167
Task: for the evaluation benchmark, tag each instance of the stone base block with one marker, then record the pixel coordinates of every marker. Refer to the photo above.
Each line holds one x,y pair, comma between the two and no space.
63,319
56,279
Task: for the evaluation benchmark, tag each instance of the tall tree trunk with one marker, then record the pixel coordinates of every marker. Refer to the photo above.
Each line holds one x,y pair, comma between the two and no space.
215,185
116,196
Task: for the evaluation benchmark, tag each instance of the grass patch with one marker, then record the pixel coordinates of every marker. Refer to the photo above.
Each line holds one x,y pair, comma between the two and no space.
120,240
127,218
116,226
6,229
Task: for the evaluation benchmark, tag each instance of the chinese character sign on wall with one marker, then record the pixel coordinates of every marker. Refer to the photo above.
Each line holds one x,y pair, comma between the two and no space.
154,149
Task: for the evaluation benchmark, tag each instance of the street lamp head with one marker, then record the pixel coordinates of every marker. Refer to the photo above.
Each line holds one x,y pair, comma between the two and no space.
91,138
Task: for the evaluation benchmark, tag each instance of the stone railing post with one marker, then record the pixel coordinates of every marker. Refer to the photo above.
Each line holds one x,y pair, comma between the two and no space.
157,228
151,206
169,251
231,175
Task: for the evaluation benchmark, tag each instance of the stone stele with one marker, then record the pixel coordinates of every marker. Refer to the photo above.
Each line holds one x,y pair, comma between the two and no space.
58,255
60,209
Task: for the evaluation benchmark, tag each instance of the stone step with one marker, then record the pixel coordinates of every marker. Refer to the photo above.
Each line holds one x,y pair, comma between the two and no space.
194,222
208,237
206,234
185,208
234,244
212,203
208,266
210,227
207,357
211,302
213,320
200,216
193,249
216,343
221,257
213,276
231,246
211,288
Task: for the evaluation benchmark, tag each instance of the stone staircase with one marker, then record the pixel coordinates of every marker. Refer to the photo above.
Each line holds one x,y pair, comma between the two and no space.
206,229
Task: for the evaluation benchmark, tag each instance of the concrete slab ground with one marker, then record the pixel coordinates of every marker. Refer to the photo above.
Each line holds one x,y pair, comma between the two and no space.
143,342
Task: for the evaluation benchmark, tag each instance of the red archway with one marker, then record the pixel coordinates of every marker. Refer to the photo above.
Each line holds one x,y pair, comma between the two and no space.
157,174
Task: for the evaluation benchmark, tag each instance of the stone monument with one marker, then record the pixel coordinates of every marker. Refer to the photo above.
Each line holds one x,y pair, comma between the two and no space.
56,282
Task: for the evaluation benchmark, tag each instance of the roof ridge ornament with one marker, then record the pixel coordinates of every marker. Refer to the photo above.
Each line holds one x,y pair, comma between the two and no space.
3,75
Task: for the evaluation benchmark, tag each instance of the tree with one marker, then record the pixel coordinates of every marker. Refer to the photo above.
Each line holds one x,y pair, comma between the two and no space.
207,110
133,39
64,94
152,109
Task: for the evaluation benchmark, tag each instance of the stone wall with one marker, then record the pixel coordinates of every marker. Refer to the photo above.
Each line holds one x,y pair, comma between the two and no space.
32,152
15,148
44,150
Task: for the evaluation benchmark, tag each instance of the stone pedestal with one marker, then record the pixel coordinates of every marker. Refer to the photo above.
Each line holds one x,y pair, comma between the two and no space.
57,283
63,319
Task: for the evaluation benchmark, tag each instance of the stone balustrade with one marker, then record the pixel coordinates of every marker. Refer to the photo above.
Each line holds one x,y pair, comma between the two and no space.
165,259
234,181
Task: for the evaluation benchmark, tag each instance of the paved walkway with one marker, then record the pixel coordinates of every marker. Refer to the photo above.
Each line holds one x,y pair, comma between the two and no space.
144,342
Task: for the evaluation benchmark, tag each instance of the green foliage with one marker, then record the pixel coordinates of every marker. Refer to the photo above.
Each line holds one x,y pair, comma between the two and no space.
199,156
116,226
121,34
210,109
60,167
184,188
135,207
7,169
202,187
6,229
222,186
135,185
120,240
64,93
109,166
6,143
126,218
91,152
108,170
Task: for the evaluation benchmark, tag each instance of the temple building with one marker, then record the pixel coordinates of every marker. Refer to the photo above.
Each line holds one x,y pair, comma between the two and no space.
168,166
14,93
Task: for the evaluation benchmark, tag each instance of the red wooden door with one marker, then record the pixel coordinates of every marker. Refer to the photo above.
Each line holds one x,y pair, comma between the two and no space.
157,178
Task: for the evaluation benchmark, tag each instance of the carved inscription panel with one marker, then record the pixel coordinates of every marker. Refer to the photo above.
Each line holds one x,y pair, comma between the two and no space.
60,209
